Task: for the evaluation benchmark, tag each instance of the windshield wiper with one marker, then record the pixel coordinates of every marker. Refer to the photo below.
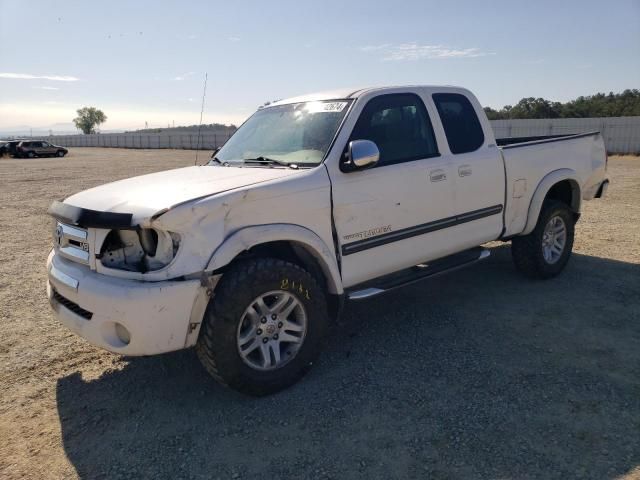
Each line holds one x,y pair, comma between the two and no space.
220,162
269,161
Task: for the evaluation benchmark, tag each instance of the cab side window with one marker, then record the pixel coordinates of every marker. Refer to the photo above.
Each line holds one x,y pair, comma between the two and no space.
399,125
460,122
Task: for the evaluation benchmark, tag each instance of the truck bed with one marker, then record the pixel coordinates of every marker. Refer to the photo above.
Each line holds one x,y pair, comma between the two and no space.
528,160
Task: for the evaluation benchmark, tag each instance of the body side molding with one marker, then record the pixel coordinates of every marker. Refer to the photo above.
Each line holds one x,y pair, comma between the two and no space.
379,240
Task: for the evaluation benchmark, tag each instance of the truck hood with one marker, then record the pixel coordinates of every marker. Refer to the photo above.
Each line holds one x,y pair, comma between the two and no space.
146,195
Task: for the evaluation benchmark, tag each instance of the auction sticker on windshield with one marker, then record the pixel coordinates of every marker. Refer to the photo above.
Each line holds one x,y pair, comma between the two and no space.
334,106
329,107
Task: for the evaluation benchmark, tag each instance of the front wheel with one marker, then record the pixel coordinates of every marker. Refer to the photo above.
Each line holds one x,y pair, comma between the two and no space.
546,250
31,154
60,153
263,327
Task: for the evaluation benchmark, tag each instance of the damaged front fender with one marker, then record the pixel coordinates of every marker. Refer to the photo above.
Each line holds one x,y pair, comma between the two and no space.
249,237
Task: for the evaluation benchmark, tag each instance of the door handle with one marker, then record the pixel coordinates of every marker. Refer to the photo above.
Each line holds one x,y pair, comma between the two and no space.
437,175
464,170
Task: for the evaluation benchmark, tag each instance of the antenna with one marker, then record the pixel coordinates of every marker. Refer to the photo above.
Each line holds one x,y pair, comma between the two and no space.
204,94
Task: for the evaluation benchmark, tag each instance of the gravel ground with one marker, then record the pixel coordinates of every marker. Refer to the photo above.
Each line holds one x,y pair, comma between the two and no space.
478,374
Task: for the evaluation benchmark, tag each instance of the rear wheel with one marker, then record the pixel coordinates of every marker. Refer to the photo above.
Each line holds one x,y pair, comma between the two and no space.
546,250
263,327
31,154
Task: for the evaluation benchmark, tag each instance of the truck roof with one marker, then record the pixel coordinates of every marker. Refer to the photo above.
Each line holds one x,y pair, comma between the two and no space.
353,93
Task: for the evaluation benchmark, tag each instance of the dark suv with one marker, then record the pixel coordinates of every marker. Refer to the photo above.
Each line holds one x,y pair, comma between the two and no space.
39,148
10,147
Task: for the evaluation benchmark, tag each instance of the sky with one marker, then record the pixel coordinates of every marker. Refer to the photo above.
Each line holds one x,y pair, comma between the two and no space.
145,61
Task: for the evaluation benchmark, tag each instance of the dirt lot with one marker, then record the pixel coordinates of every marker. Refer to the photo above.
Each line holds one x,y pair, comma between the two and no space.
479,374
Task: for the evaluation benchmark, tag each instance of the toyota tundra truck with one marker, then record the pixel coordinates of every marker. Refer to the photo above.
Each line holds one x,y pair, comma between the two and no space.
314,201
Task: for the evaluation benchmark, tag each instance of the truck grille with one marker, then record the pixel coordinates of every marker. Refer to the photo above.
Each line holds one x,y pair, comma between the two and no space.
74,307
71,242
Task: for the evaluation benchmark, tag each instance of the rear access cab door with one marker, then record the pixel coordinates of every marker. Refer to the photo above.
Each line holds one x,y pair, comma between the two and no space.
468,142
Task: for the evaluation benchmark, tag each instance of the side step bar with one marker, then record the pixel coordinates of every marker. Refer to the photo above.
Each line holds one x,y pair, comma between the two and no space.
414,274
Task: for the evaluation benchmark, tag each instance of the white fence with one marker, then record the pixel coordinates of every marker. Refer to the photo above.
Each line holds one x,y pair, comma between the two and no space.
208,141
621,134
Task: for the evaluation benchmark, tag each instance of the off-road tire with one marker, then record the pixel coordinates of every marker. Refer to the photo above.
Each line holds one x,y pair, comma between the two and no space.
217,347
60,153
527,252
31,155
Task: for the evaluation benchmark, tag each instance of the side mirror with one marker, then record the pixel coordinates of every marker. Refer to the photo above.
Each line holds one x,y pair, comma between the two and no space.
362,154
215,152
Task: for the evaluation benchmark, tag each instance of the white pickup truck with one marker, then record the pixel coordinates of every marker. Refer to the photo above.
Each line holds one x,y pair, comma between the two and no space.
315,200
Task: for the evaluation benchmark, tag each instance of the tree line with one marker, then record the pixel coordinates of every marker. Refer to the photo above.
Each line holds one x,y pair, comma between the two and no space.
625,104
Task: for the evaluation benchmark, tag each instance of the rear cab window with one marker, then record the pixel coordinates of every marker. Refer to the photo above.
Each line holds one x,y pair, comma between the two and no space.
399,125
460,122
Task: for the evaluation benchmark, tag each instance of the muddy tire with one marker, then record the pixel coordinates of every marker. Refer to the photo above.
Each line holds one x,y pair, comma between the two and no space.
546,250
263,327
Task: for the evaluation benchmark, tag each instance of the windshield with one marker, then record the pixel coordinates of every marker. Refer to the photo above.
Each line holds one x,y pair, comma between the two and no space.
298,133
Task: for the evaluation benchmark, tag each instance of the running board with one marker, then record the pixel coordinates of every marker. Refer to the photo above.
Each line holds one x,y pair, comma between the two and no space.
414,274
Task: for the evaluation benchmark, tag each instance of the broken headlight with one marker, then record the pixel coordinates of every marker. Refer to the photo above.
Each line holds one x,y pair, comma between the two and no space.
142,250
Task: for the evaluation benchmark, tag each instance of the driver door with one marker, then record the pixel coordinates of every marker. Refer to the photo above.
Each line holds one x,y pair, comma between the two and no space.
47,149
39,148
394,215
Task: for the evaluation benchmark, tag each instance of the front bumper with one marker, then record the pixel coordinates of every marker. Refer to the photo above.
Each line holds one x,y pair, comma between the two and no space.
123,316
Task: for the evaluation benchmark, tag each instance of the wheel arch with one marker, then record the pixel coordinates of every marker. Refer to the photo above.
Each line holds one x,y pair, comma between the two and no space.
560,185
286,241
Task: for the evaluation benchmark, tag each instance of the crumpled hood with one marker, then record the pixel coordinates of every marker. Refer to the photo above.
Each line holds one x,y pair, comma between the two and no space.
146,195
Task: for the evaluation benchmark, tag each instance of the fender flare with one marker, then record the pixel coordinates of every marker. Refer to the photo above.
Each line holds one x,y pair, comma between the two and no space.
249,237
543,188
